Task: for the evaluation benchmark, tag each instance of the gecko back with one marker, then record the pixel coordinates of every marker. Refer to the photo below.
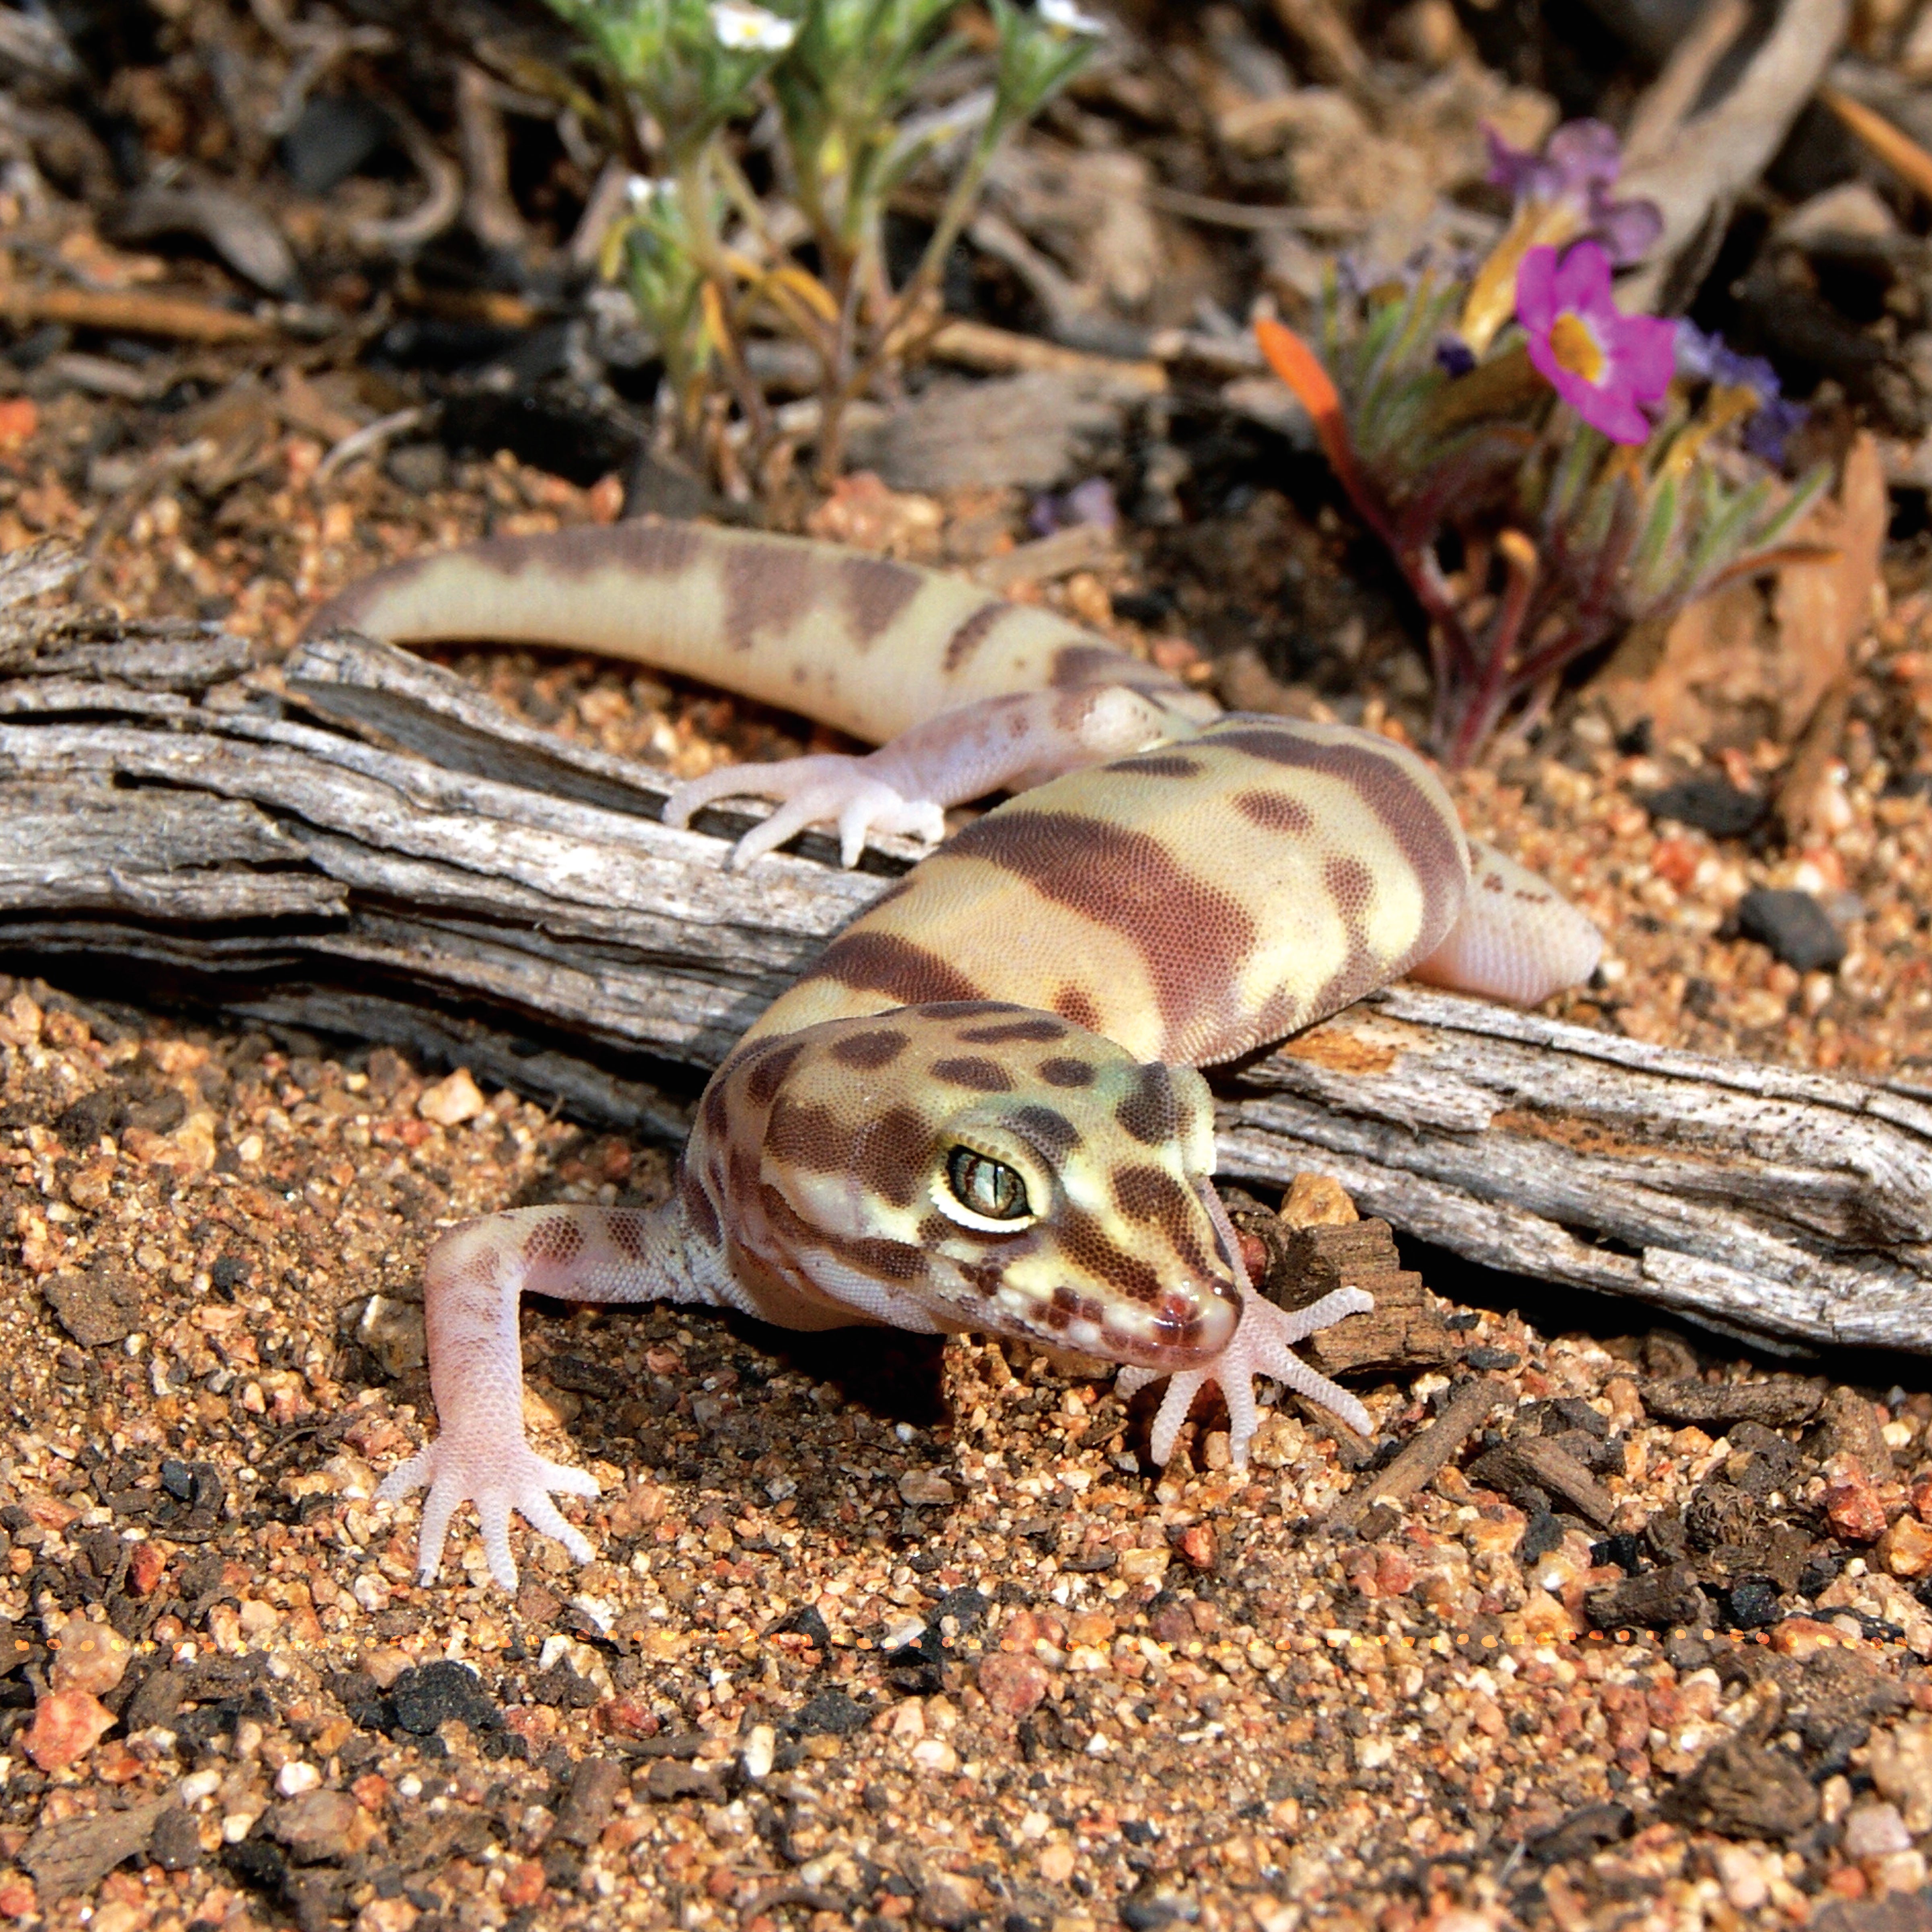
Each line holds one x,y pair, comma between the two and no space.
1193,903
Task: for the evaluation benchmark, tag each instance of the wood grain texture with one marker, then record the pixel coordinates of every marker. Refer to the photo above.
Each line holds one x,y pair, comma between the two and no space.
358,843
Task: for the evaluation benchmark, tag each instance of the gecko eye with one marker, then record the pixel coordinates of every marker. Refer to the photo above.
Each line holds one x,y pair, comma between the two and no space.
986,1193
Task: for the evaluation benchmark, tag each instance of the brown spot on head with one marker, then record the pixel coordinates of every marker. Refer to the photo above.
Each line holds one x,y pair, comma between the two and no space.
808,1136
1046,1128
1151,1194
1077,1004
1274,811
774,1060
1159,765
875,593
1063,1071
768,588
1087,1246
877,1046
892,1261
1039,1028
1492,882
1189,934
975,1071
556,1239
1148,1193
881,962
1150,1113
715,1111
969,635
891,1155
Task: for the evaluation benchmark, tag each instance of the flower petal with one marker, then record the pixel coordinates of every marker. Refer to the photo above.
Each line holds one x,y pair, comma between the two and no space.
1628,229
1536,303
1583,281
1643,356
1587,153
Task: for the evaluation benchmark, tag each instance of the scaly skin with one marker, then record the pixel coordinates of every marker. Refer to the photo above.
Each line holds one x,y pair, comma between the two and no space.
979,1110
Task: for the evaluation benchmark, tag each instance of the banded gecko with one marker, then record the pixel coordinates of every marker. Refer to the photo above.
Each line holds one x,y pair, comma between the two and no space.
980,1109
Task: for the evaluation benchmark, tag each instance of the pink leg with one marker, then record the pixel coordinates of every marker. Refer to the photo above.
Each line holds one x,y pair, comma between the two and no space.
1518,939
999,744
1260,1345
476,1275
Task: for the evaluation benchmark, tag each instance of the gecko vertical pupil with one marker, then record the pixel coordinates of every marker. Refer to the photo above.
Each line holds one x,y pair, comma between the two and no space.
988,1187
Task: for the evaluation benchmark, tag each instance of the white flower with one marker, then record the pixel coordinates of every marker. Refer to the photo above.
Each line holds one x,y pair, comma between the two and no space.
640,190
746,29
1065,17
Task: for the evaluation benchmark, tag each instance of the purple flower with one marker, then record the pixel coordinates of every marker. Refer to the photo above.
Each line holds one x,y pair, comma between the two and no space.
1710,359
1603,363
1578,167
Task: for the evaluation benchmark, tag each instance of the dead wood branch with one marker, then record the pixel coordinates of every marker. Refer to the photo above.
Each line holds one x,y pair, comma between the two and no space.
360,844
1695,176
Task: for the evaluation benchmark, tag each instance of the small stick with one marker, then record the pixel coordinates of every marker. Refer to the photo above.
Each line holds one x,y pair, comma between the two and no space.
1470,1405
977,345
130,312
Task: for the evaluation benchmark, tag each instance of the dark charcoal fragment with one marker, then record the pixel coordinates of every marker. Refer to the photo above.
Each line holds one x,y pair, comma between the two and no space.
1588,1828
1658,1600
1754,1604
430,1694
1710,805
1820,1571
967,1607
1542,1533
103,1112
158,1701
1500,1360
805,1622
1794,926
833,1711
582,1376
176,1845
1744,1790
669,1780
1777,1402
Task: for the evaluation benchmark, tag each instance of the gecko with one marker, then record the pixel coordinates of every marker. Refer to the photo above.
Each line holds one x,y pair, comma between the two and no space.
981,1109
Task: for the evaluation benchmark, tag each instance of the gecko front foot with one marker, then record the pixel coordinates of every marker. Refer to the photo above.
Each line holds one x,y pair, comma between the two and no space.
1260,1345
829,789
498,1480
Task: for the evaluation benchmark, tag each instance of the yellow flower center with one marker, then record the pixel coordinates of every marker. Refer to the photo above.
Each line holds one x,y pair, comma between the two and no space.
1573,343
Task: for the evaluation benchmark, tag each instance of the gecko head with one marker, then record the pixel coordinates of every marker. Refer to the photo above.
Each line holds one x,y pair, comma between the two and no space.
1003,1168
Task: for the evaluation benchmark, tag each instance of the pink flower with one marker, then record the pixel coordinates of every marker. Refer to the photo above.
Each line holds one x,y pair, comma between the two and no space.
1602,362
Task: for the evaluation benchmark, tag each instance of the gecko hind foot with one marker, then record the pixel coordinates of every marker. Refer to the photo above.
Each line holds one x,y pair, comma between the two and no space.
498,1483
1260,1346
830,788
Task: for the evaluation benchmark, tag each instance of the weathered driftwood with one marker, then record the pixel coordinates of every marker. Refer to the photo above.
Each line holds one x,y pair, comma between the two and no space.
360,843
